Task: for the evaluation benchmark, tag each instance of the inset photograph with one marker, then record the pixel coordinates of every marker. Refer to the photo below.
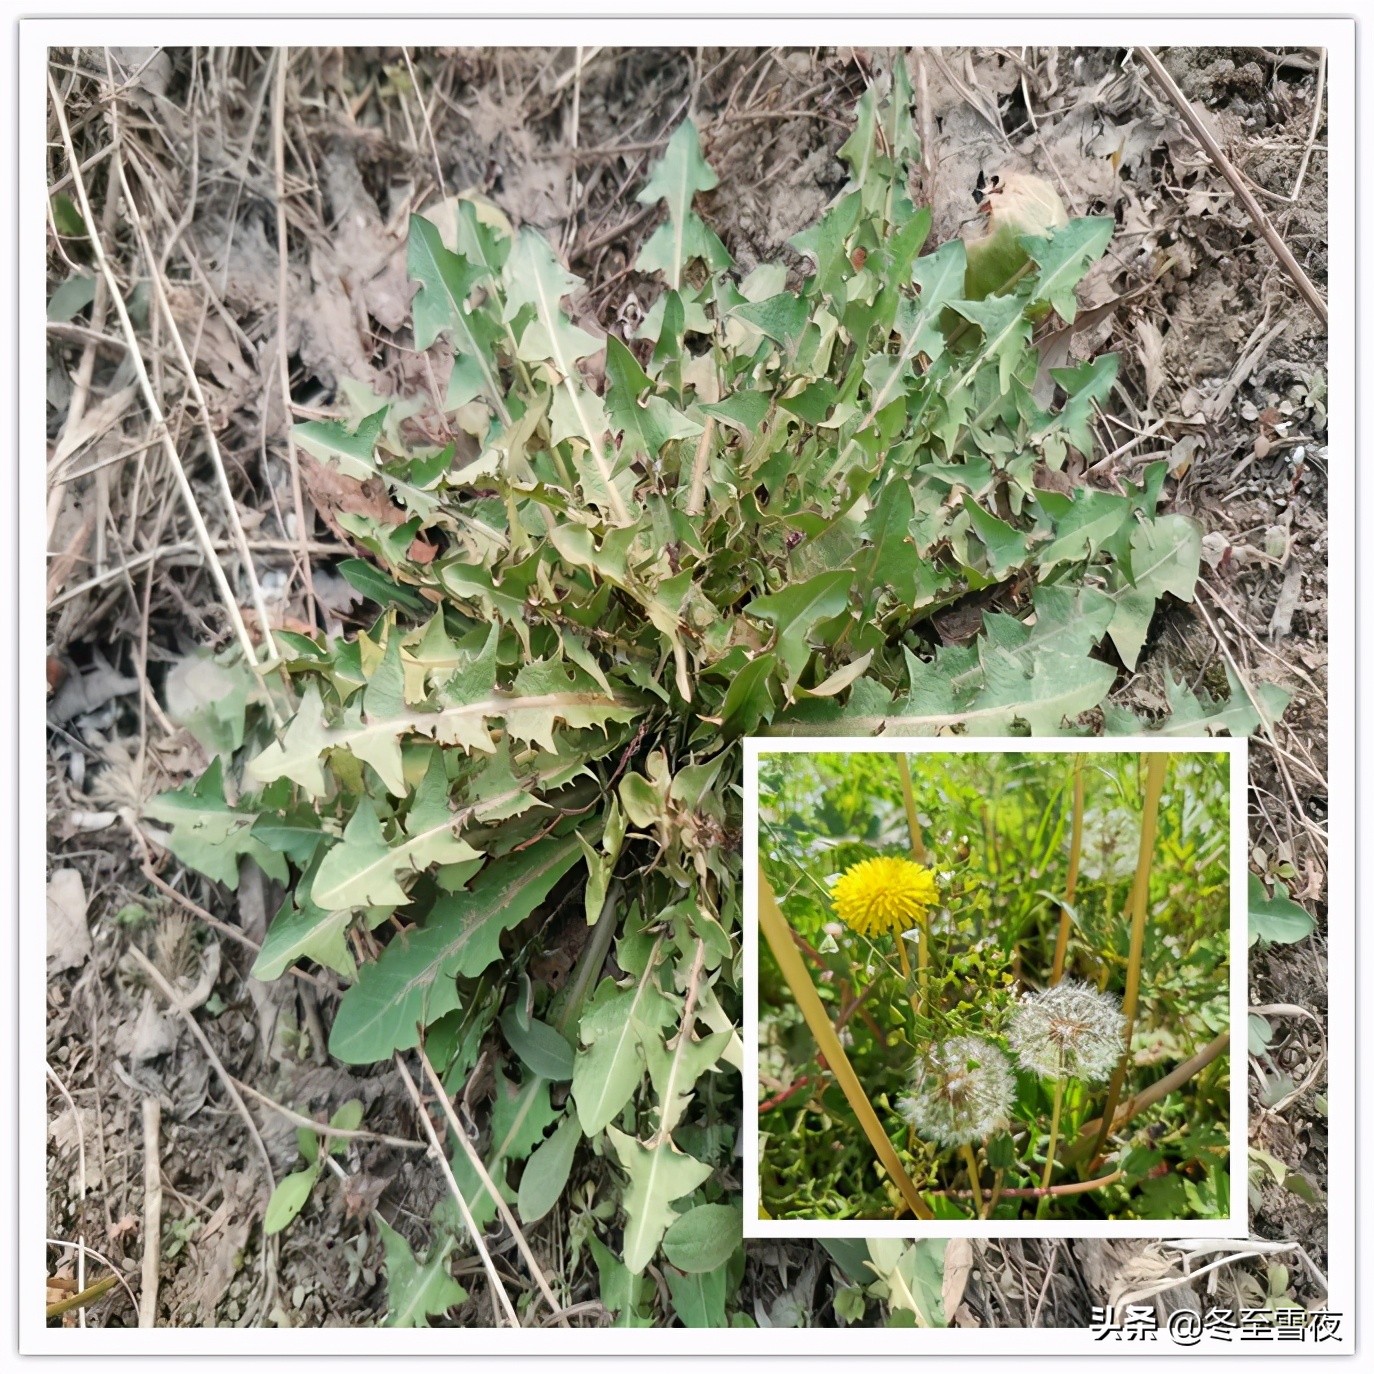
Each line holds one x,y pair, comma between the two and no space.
995,985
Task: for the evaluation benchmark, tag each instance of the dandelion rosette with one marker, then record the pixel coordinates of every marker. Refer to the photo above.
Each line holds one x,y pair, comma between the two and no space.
884,896
1069,1031
961,1091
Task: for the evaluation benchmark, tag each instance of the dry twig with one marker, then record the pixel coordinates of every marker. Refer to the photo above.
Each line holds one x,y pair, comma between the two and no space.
1223,164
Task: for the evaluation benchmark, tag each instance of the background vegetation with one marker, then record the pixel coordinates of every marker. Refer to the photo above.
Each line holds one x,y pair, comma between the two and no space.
998,830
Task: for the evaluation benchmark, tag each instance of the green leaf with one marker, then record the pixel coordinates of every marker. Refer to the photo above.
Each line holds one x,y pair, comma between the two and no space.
699,1298
348,1118
519,1118
374,584
546,1173
1276,918
674,1071
913,1276
890,560
288,1197
615,1025
1165,557
304,931
676,178
1081,525
1063,257
1191,715
534,278
796,610
70,298
747,700
647,421
362,870
209,696
67,217
1004,546
938,277
297,754
446,282
208,834
416,1292
657,1178
359,871
1006,331
412,983
781,317
625,1294
704,1238
541,1049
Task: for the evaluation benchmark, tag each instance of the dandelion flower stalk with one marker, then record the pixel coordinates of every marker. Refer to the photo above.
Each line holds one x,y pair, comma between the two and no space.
1155,767
961,1091
1061,944
1070,1030
1043,1206
971,1160
918,853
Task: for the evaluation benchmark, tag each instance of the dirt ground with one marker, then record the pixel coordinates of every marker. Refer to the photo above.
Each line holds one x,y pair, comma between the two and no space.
1223,374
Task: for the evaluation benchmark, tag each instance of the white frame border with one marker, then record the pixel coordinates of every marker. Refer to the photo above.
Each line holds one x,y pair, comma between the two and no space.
529,22
1236,1226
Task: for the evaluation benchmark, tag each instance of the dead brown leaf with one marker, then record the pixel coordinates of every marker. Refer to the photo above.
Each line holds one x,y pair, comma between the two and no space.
69,937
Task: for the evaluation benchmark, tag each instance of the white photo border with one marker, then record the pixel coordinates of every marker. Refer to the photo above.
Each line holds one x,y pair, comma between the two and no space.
1236,1225
1074,23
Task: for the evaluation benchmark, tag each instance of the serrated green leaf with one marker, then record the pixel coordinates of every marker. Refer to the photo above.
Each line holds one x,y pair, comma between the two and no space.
674,1069
1063,257
657,1178
646,420
611,1065
441,304
796,611
416,1292
297,754
362,869
208,834
676,178
1004,546
1166,555
412,983
304,931
535,279
625,1294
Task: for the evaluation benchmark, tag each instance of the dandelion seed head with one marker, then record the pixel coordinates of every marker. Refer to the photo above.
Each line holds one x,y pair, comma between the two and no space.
884,896
961,1091
1070,1030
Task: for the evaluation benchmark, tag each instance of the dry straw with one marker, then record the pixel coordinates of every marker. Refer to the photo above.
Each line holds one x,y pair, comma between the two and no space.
779,936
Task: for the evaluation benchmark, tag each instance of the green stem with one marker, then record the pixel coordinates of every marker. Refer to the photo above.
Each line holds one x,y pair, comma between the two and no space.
778,934
1156,765
1061,944
997,1177
918,852
1043,1206
972,1161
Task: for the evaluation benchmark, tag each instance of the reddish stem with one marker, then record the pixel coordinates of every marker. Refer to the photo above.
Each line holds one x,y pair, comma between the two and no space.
790,1091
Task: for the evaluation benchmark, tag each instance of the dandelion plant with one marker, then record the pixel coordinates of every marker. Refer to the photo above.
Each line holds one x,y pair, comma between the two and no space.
608,555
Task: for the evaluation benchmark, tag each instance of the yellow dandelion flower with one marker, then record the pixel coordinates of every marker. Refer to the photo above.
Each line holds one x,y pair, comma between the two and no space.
883,896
